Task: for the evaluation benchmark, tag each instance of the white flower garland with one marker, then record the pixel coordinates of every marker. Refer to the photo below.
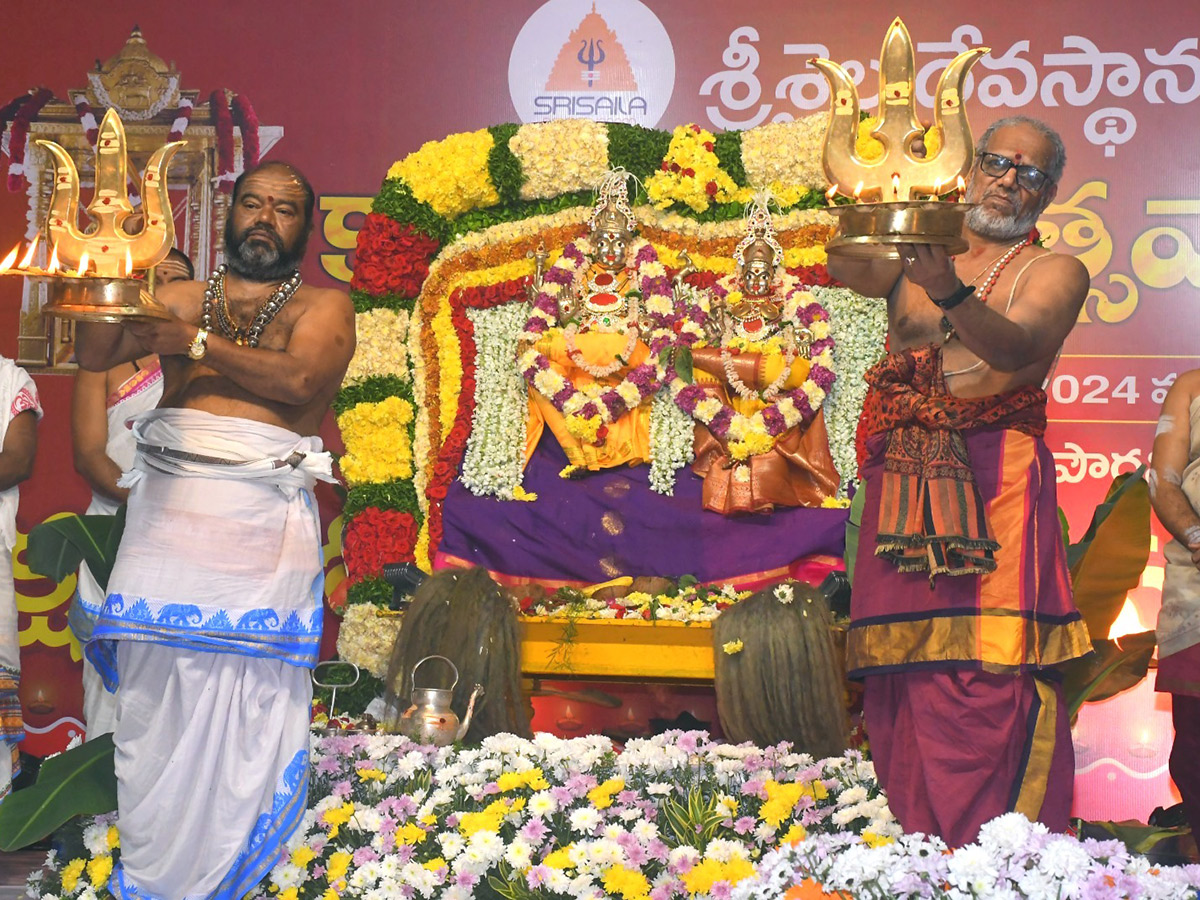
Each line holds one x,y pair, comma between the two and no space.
382,345
495,455
859,328
134,115
672,442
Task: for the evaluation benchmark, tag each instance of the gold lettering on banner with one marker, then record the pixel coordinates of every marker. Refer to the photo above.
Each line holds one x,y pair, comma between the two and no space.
338,234
38,607
1087,234
1182,262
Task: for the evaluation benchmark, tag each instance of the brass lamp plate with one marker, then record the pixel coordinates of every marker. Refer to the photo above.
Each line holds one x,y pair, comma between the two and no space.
111,300
873,230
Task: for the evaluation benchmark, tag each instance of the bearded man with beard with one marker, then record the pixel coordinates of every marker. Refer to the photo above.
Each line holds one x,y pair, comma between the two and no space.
962,603
213,612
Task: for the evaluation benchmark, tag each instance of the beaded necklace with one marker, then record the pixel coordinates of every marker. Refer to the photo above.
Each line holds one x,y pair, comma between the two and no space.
996,267
216,309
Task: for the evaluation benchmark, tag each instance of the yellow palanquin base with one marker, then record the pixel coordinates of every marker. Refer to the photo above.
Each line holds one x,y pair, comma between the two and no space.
618,648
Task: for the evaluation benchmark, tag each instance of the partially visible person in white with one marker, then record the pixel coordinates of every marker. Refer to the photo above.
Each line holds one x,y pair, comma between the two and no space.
19,414
101,404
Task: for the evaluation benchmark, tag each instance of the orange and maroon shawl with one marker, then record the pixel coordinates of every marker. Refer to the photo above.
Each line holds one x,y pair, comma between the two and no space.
931,516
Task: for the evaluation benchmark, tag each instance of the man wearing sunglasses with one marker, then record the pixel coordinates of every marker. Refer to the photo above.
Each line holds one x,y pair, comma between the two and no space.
962,602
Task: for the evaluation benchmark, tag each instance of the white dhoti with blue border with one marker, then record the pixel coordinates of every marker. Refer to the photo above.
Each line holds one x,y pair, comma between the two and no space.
211,623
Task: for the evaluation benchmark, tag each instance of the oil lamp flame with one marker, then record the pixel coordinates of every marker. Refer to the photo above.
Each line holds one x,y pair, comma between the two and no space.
83,265
27,260
53,266
896,185
128,263
10,259
857,191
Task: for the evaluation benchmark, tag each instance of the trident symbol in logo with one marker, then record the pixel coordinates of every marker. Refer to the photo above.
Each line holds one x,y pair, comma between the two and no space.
898,174
108,245
593,46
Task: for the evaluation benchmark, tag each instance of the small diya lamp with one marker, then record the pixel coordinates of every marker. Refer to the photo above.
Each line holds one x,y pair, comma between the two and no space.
90,274
900,198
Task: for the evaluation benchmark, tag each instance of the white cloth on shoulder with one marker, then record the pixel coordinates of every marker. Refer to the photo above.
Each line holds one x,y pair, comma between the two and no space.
211,624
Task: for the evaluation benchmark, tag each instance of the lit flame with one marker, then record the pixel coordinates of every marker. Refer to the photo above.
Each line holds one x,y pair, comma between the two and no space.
83,265
27,261
128,263
832,192
1128,622
896,185
53,266
10,259
962,185
937,189
858,190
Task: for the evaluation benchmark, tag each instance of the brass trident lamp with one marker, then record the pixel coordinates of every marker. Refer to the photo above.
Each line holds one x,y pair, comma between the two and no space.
898,198
89,272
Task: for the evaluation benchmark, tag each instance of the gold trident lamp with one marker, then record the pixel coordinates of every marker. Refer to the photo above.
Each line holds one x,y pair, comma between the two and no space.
89,273
898,197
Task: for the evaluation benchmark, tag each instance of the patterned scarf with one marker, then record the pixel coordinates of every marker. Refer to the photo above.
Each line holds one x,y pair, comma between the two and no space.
931,516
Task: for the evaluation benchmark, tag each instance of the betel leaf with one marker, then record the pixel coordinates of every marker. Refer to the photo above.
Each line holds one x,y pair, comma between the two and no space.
80,782
1117,665
1107,563
683,365
59,545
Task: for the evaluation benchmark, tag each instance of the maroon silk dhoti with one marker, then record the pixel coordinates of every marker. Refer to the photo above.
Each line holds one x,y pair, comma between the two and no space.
956,748
1179,675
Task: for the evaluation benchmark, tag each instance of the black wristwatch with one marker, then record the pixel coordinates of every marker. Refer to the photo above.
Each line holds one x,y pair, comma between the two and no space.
962,293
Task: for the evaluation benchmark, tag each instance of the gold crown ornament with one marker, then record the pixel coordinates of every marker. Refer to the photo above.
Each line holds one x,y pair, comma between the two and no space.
89,272
612,212
898,198
760,241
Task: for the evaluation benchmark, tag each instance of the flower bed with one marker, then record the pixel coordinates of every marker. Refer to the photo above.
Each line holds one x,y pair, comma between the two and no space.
676,816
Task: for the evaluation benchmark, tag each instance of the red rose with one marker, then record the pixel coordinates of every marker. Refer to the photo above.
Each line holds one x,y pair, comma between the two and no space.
711,189
436,491
689,172
674,167
708,145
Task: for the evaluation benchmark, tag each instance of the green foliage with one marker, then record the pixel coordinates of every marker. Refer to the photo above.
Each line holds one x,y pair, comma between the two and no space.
387,495
372,390
396,201
1117,665
57,547
692,823
504,169
375,591
1107,563
640,150
1138,838
853,528
728,148
516,210
364,302
683,365
79,782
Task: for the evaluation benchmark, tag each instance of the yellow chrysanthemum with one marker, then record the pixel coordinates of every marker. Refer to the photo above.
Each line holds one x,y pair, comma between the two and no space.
410,833
113,837
601,796
302,856
339,865
70,874
560,858
451,175
376,439
99,869
630,884
729,648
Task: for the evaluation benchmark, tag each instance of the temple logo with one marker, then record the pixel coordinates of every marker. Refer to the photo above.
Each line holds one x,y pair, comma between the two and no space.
609,60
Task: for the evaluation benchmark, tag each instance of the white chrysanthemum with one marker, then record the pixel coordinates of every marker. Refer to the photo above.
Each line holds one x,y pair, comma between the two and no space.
585,819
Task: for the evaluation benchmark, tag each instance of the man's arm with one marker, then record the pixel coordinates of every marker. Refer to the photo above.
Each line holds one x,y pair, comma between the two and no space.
99,346
318,351
1172,440
1042,314
20,447
89,435
869,277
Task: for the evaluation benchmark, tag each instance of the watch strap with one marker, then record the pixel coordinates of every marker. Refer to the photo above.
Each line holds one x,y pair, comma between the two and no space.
962,293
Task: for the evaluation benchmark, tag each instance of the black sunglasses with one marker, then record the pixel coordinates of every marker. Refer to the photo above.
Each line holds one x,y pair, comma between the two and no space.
1031,178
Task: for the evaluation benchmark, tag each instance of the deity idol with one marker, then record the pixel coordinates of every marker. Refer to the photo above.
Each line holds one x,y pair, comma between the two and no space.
759,382
600,322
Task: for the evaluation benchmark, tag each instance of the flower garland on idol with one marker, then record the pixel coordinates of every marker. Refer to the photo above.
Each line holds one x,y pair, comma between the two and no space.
589,411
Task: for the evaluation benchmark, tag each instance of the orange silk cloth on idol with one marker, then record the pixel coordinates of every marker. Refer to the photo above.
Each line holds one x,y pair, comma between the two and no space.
797,471
628,439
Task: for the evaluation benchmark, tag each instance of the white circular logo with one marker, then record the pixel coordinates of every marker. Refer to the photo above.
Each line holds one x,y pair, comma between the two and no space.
609,60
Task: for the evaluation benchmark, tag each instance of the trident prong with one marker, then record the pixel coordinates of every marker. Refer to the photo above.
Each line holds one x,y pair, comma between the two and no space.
898,174
108,245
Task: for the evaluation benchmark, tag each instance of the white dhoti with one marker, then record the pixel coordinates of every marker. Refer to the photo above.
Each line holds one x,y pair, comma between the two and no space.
212,620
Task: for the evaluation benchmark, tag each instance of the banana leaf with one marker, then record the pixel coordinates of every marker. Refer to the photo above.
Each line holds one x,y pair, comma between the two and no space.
1107,563
1114,667
57,547
1137,837
853,527
80,782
